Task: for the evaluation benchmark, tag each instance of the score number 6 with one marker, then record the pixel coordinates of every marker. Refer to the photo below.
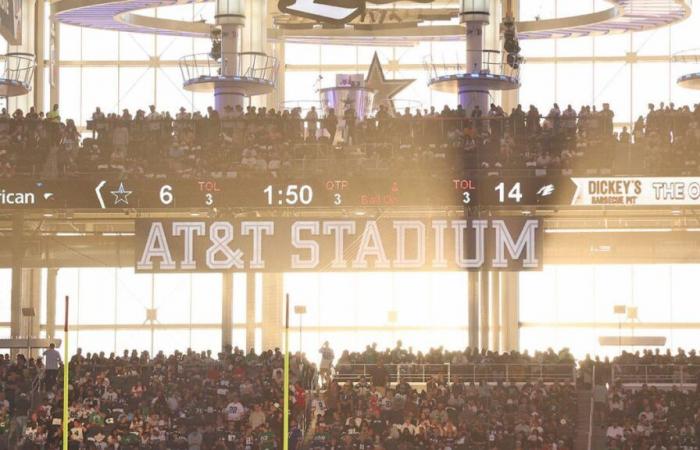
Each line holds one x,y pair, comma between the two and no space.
166,195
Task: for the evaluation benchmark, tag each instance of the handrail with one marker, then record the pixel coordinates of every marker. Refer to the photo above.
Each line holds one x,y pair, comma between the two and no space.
591,413
492,63
18,67
253,65
653,373
471,372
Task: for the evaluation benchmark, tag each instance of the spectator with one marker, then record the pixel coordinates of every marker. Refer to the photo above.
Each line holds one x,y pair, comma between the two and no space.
52,364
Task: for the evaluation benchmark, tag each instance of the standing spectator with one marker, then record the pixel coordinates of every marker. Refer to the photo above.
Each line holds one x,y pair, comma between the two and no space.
380,378
53,362
312,123
330,124
607,116
327,357
53,115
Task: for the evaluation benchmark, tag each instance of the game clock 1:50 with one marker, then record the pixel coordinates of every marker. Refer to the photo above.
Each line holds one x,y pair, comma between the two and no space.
290,195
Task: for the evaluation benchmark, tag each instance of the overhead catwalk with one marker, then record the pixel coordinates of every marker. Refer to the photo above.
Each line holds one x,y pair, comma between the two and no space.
484,70
690,80
231,74
623,16
16,74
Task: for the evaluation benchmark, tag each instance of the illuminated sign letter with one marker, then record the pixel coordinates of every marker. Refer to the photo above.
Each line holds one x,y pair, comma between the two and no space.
257,228
339,228
156,247
371,245
460,226
305,244
401,227
526,242
189,229
221,234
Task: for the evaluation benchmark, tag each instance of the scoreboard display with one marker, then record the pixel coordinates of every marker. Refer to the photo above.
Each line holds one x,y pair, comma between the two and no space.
329,193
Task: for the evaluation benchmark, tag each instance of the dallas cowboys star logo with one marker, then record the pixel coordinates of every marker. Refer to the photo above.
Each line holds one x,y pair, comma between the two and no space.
121,195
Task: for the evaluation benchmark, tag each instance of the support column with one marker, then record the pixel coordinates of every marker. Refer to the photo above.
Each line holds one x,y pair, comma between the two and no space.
54,56
39,33
473,308
30,326
51,276
250,311
510,98
227,312
231,17
495,325
475,15
254,37
277,98
27,46
484,288
16,290
510,318
277,48
273,293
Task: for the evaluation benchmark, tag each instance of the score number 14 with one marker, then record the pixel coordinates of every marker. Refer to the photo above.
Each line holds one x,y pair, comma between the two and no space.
514,193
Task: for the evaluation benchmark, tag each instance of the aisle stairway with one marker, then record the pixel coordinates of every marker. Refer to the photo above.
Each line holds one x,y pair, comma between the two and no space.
582,419
583,416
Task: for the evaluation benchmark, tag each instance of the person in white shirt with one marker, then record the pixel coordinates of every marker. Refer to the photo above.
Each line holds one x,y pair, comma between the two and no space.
615,431
52,359
153,114
234,411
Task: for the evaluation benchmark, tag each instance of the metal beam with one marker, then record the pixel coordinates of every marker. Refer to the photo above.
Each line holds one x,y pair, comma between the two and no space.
473,309
227,311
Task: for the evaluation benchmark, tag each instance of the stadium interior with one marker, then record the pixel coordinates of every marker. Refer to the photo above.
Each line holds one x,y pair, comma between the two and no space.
349,225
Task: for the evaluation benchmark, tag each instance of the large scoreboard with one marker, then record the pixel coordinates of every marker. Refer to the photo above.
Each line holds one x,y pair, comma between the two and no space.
328,192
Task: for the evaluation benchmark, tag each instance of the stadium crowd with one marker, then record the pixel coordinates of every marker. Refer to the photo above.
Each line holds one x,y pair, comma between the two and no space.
652,418
240,142
201,401
135,401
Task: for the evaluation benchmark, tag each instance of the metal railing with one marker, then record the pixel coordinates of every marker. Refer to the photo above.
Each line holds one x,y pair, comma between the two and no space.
492,63
591,414
250,65
18,67
467,373
672,374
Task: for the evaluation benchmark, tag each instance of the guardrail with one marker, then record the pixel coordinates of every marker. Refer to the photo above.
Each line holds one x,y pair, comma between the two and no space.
678,374
591,414
251,65
18,67
492,63
468,373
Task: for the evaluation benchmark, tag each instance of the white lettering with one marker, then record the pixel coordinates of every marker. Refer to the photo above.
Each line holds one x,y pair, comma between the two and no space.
371,245
156,247
339,228
232,259
305,244
401,227
526,242
189,229
460,248
257,228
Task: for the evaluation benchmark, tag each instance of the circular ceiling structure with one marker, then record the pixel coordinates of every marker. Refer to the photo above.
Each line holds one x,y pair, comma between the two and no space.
622,17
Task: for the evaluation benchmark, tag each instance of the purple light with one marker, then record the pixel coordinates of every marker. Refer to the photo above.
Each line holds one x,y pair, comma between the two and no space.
103,17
